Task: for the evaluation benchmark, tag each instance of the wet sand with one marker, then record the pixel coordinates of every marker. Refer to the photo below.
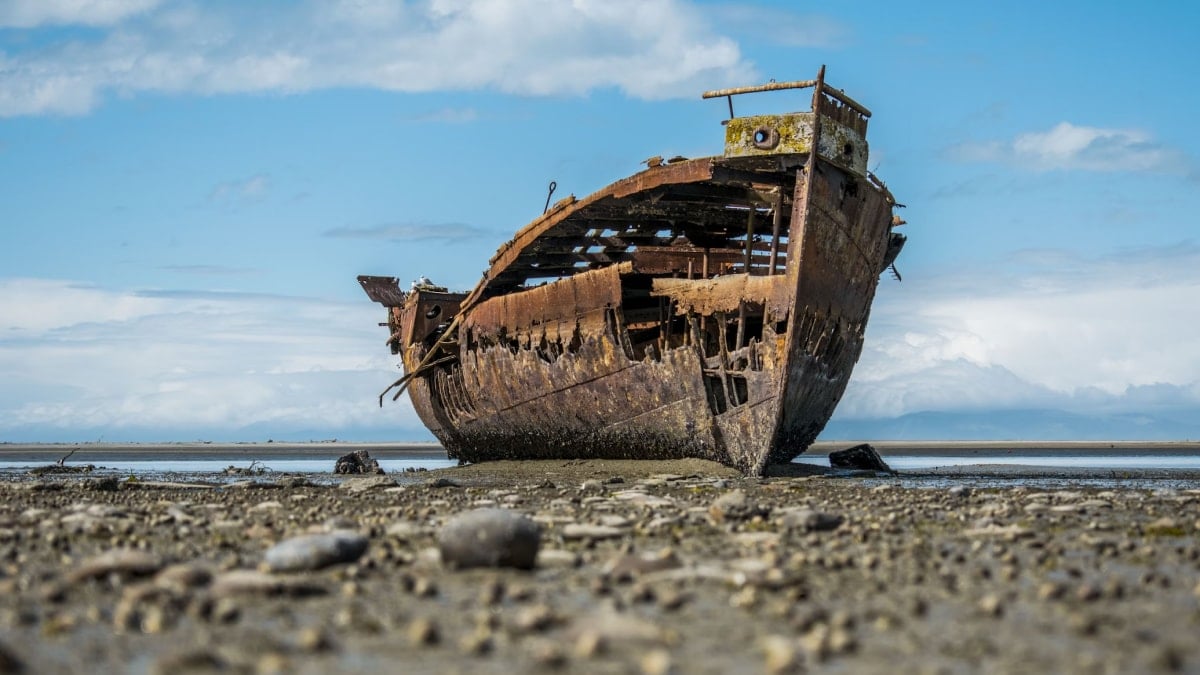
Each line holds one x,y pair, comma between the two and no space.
650,567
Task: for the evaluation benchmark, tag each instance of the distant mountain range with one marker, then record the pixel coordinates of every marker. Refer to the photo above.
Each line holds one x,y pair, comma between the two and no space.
1020,425
256,433
1014,425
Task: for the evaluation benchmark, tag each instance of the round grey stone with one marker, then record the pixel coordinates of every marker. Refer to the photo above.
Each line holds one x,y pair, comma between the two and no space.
315,551
489,538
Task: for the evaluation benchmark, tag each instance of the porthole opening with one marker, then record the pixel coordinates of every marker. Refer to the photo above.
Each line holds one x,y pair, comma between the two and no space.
765,138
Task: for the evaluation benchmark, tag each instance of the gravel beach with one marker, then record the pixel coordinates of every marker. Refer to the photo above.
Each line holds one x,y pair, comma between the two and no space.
604,567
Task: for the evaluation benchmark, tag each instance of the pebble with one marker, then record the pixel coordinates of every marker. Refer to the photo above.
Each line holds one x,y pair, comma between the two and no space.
670,599
1009,532
550,558
121,561
635,564
1087,593
1165,526
808,520
822,642
423,632
190,661
546,653
477,643
1051,590
236,583
424,587
405,530
592,485
656,662
535,619
365,483
589,531
589,644
183,576
734,506
489,538
781,654
314,639
315,551
991,605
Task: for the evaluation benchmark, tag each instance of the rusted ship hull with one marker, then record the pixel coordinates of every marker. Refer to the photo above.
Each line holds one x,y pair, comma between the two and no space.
708,308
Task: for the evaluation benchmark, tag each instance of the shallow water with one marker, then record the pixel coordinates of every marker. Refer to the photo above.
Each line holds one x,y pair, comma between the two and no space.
1076,461
1096,467
197,463
274,465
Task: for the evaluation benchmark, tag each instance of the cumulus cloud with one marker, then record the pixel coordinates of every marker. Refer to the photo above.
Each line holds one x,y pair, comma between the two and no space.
1067,146
74,356
646,48
404,232
1043,330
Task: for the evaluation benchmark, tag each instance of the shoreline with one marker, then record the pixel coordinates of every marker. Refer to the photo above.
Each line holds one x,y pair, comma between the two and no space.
254,449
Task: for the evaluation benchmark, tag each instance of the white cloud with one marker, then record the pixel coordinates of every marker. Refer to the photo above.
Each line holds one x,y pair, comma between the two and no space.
1067,146
646,48
79,357
249,189
35,306
1043,330
1046,330
30,13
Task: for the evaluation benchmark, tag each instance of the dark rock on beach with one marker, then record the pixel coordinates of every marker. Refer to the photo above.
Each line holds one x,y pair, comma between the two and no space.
861,457
357,462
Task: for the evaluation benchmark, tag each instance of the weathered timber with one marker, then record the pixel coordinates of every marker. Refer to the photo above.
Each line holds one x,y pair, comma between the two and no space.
710,307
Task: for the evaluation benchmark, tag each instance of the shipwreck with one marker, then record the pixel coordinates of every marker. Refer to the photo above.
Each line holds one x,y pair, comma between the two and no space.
709,307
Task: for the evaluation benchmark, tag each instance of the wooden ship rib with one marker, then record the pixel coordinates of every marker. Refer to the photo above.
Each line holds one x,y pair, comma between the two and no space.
709,307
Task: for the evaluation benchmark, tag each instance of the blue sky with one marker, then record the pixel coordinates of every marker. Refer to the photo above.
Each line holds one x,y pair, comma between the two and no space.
188,189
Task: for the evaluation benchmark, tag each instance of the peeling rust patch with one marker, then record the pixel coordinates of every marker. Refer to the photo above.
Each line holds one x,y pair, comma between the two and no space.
711,307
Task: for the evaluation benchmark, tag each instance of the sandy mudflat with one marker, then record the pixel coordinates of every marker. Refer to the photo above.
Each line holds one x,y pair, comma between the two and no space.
650,567
99,452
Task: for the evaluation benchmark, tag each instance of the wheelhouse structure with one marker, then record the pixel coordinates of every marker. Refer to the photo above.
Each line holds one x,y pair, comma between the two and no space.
709,307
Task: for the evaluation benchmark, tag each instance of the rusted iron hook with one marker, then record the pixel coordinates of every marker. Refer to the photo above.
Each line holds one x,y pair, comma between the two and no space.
549,194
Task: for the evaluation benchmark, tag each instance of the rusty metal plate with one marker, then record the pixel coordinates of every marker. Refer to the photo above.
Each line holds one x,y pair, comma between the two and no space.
384,290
